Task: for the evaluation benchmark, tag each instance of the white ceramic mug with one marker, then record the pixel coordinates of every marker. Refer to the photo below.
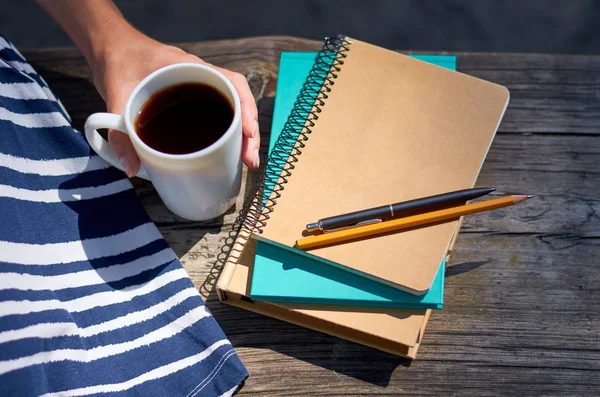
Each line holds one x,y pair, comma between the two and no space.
197,186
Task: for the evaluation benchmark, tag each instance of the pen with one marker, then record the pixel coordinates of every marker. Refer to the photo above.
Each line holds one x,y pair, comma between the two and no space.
377,214
395,225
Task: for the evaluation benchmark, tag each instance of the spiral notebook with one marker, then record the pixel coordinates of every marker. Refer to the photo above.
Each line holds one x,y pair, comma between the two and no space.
372,127
282,276
395,330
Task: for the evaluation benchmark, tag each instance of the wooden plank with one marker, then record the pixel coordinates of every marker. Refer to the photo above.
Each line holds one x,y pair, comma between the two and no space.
520,311
550,94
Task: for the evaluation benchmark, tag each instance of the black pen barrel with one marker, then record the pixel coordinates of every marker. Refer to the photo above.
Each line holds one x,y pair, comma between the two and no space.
405,208
354,217
444,200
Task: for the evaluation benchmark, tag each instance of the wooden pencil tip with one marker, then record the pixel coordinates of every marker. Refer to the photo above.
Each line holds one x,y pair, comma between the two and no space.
529,196
521,197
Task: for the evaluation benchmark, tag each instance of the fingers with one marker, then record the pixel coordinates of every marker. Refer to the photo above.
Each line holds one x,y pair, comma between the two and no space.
116,99
121,143
250,127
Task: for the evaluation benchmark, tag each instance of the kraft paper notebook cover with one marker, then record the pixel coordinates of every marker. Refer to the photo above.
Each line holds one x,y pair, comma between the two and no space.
282,276
385,128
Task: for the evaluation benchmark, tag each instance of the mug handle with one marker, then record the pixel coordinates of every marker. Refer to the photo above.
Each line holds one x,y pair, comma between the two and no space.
100,146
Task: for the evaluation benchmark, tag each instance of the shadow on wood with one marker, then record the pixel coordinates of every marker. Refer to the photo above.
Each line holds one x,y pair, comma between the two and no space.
465,267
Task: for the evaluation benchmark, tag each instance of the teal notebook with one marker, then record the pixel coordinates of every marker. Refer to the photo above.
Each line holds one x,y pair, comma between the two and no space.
279,275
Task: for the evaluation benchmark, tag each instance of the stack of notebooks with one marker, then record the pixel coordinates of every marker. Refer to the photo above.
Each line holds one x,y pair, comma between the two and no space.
356,126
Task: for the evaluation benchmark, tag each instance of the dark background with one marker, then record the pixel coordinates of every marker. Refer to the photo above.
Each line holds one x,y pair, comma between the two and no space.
554,26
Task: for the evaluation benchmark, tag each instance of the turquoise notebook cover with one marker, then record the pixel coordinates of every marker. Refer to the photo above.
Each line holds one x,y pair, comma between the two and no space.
279,275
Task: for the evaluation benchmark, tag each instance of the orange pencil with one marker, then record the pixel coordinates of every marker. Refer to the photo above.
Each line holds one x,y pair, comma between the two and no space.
408,222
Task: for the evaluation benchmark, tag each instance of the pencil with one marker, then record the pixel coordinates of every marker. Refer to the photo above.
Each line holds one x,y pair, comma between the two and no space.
408,222
398,210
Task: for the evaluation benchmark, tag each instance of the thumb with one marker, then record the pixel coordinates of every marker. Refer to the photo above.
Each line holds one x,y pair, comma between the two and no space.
121,143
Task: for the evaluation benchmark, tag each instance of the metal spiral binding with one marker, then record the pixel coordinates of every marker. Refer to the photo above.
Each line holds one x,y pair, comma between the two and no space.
296,130
259,203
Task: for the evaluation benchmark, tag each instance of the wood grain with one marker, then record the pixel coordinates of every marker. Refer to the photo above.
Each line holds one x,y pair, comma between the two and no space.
521,304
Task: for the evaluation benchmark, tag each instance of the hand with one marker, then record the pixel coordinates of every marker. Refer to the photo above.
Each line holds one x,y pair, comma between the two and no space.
122,65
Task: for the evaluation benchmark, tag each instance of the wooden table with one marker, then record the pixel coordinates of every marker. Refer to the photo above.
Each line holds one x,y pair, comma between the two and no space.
522,301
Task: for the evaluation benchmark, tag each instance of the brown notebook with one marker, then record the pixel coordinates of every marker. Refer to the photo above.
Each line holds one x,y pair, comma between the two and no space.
398,331
389,128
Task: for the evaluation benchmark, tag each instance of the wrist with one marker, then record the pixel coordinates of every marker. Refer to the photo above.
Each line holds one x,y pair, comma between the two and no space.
95,26
107,41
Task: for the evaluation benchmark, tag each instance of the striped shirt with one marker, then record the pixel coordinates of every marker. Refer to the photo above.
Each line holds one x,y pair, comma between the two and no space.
92,299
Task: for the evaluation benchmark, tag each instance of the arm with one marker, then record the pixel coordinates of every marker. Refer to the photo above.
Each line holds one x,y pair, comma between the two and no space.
120,57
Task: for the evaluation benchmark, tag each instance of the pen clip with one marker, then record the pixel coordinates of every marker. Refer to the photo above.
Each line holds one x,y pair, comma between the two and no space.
361,223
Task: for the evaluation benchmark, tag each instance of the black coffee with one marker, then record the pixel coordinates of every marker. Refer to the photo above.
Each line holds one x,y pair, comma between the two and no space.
184,118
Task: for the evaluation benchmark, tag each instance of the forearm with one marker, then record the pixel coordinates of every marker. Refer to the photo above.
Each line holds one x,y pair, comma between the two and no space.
93,25
120,57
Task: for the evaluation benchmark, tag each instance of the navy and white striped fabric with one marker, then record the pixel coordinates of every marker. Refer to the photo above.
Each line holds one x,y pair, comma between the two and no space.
92,299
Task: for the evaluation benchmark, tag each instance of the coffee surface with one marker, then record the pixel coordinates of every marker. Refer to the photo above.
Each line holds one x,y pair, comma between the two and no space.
184,118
